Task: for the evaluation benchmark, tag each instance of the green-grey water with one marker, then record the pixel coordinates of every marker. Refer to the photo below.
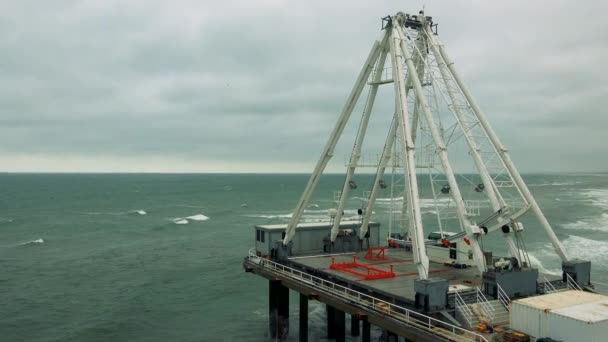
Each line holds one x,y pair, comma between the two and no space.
133,257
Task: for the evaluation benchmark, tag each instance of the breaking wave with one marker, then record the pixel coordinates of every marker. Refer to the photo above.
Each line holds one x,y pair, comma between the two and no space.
556,184
188,219
587,249
197,217
538,264
425,203
597,197
130,212
33,242
310,216
597,224
577,247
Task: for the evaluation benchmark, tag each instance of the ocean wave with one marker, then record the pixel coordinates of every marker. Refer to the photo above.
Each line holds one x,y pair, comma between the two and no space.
424,202
598,224
586,249
118,213
187,219
310,216
556,184
577,247
597,197
538,264
197,217
33,242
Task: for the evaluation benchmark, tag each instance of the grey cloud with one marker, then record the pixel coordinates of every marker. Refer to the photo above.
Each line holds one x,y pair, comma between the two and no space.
264,81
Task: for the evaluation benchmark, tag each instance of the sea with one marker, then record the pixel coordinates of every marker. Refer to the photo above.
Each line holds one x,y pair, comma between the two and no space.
158,257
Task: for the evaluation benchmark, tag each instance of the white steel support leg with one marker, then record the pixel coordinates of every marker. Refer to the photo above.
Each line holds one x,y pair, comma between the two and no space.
442,152
408,150
328,151
502,151
419,62
356,154
489,188
386,156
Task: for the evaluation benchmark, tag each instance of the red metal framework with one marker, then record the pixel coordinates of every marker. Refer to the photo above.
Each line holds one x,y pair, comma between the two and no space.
365,271
379,255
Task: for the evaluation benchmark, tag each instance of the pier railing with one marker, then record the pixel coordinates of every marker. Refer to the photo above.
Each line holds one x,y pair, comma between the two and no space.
366,302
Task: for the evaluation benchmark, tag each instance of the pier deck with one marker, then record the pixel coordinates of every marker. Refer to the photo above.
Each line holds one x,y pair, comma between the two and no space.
402,285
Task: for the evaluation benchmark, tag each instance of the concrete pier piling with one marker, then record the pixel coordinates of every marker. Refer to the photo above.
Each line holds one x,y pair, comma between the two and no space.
331,325
303,318
366,327
278,309
354,325
340,321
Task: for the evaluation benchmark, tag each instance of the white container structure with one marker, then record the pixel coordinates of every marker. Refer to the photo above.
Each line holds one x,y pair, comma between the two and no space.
311,236
563,316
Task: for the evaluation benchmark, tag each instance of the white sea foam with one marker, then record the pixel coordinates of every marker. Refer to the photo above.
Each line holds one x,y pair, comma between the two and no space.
577,247
33,242
538,264
310,215
587,249
599,223
130,212
556,184
197,217
186,220
424,202
597,197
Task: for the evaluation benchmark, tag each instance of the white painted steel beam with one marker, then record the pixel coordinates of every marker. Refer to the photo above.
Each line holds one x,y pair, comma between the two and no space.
386,156
408,151
441,151
490,188
502,151
356,153
328,151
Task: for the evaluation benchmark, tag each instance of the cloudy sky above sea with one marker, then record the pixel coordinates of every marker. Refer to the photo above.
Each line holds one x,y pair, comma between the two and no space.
256,86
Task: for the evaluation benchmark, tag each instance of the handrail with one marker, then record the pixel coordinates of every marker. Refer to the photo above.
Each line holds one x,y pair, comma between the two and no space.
502,297
572,285
462,306
367,302
549,285
483,302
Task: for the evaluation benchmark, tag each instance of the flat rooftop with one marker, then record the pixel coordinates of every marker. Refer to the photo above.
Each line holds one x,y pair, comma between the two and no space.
314,225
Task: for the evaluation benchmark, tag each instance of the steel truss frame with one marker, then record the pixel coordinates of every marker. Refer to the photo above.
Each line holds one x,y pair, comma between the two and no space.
421,73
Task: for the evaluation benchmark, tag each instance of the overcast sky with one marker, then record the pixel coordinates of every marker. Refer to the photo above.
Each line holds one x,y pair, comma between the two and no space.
256,86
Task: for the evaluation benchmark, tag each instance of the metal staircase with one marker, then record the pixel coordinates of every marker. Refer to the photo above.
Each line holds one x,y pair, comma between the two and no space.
472,310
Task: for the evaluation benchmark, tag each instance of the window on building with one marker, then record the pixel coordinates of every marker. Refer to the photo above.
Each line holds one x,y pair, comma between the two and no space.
257,235
262,235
